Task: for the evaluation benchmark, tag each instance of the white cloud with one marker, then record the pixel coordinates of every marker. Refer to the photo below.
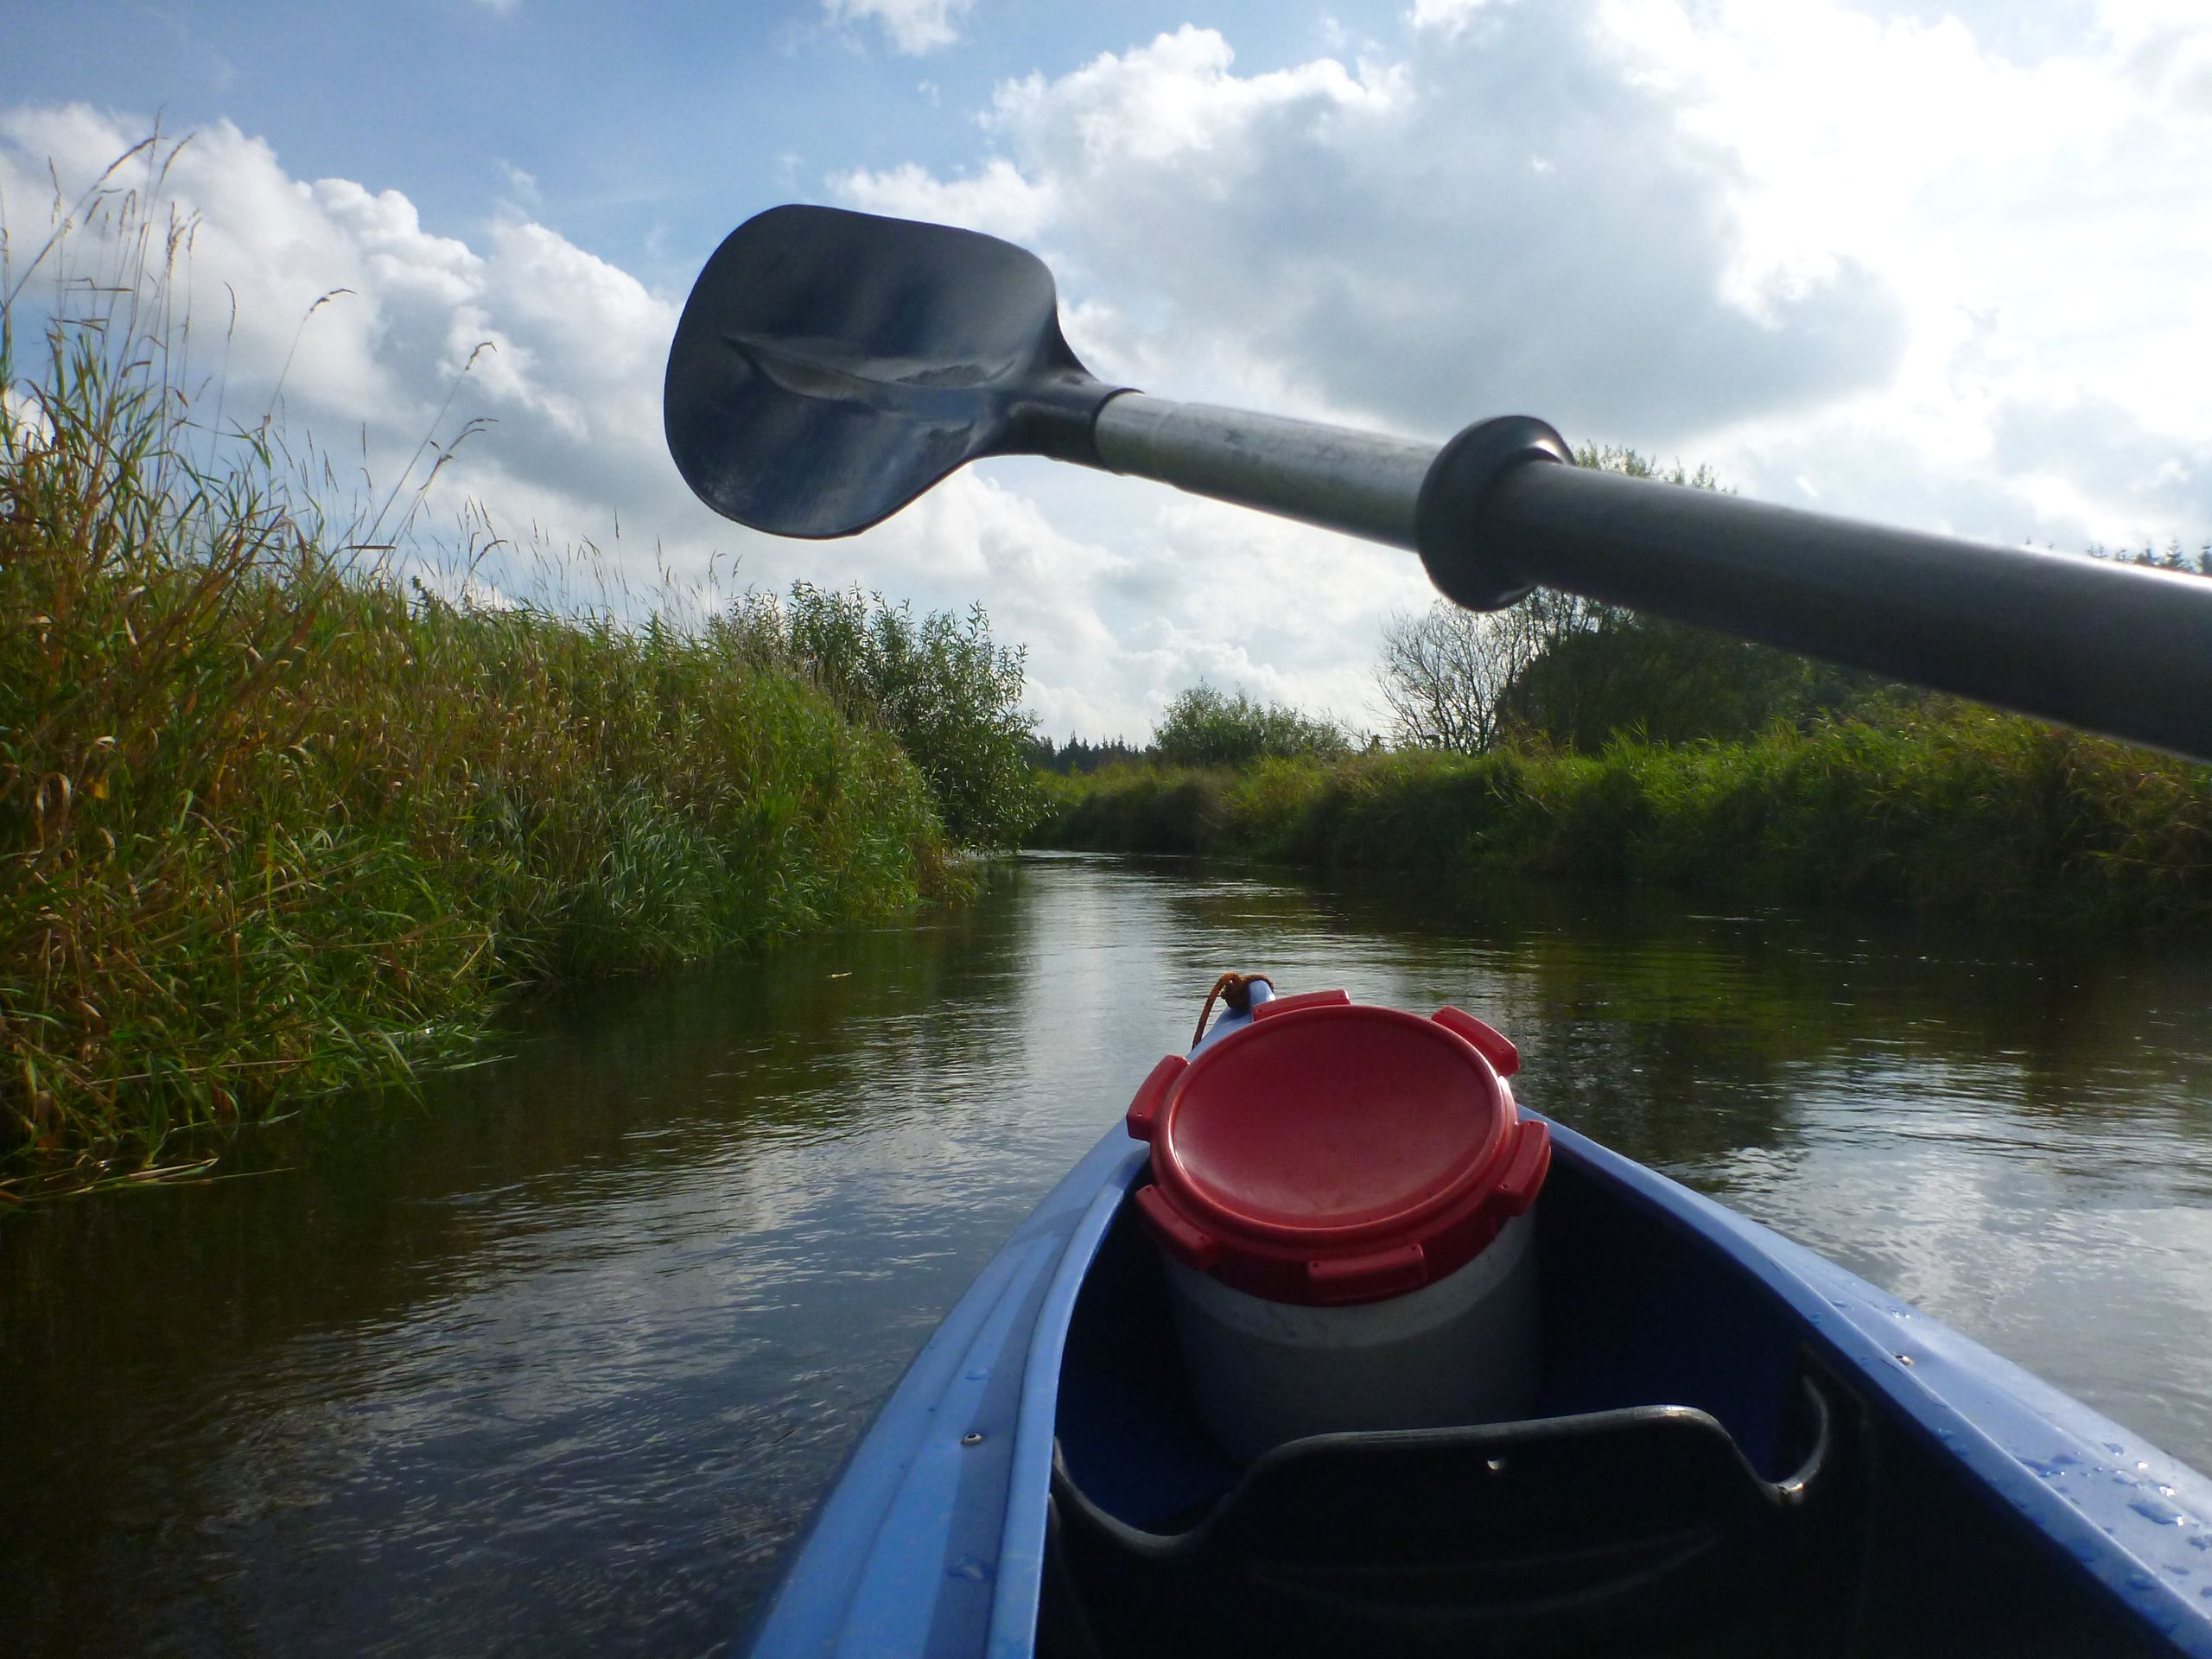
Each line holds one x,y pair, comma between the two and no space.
1372,240
1918,270
334,304
2038,219
22,414
996,198
913,26
1447,17
521,184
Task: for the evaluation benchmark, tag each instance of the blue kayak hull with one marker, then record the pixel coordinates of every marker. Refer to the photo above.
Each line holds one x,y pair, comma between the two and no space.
934,1540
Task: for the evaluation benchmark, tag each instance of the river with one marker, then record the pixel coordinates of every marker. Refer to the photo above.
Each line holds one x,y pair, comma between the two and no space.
559,1359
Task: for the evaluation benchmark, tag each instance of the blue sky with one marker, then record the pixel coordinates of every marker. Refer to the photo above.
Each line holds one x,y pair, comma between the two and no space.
649,131
1942,266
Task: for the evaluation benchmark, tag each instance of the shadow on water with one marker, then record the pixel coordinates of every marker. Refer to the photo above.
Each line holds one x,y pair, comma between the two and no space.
561,1357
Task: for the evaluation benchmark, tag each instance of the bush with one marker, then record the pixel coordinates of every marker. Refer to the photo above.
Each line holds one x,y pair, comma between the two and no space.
1938,804
940,687
1203,727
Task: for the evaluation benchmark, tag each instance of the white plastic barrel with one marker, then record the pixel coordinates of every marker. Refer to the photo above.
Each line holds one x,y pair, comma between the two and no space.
1464,1350
1341,1197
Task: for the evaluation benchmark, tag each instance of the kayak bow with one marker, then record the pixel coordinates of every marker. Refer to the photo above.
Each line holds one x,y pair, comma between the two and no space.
1736,1447
1145,1428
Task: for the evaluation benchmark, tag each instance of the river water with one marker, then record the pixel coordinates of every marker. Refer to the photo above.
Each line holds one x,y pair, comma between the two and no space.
560,1359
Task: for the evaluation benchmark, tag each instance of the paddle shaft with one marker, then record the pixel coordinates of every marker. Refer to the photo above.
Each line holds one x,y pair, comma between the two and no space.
2111,648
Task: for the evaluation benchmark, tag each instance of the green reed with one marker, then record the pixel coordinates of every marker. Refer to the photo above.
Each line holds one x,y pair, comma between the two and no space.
273,823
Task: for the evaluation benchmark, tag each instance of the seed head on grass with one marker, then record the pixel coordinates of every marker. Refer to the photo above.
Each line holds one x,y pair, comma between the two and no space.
276,822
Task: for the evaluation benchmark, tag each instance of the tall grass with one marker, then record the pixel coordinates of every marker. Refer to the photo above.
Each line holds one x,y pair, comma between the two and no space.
948,694
1942,806
273,823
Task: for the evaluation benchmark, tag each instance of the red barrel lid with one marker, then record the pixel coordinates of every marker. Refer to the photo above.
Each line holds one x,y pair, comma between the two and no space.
1331,1152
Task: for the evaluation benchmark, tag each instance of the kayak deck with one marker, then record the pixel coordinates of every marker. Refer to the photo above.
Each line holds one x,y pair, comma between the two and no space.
1697,1479
1827,1471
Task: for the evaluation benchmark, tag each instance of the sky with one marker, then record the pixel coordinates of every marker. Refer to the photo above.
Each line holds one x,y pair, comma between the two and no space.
1948,268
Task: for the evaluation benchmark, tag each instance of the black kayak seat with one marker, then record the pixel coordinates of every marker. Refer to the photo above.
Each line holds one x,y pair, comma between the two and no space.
1635,1531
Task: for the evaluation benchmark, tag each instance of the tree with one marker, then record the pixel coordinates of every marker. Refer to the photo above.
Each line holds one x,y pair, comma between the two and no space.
1669,683
1457,679
1077,755
1580,673
1204,727
1445,674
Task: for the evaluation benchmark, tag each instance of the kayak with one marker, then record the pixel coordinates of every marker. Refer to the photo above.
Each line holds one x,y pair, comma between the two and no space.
1331,1347
1718,1441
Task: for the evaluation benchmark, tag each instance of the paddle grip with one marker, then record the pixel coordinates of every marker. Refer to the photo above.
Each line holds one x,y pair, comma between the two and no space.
2111,648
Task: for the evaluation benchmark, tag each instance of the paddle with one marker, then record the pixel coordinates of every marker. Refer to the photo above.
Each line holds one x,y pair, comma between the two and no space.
831,366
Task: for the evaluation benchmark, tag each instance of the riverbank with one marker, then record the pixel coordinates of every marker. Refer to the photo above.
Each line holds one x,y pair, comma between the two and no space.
271,834
1942,807
275,823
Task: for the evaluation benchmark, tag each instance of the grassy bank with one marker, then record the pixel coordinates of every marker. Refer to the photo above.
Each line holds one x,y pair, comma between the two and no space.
272,824
268,832
1953,808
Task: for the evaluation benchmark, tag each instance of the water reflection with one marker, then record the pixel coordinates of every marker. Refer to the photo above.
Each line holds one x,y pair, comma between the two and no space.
560,1357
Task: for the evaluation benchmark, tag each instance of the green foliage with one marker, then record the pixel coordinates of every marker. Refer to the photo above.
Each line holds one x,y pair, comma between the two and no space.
1614,457
1662,682
271,825
1147,808
1933,804
949,696
1204,727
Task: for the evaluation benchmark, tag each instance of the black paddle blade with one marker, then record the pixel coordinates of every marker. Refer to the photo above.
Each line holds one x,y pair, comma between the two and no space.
830,367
